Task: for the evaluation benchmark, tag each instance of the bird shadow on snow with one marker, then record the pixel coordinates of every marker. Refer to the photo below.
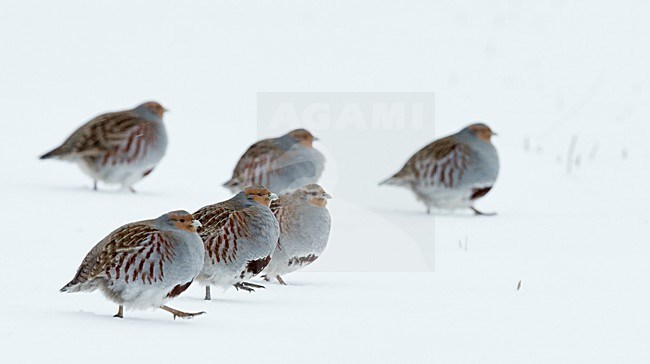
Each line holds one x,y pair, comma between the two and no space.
99,191
107,318
422,214
236,301
301,280
218,299
255,298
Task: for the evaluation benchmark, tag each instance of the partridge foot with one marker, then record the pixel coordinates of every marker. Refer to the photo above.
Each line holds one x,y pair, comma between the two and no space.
249,284
477,212
181,314
248,287
120,312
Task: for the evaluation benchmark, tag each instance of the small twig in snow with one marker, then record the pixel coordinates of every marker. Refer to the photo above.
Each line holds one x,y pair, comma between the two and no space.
519,285
570,153
594,151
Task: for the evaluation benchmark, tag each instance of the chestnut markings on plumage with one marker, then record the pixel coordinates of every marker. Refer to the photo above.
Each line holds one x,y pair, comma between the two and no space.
452,172
119,147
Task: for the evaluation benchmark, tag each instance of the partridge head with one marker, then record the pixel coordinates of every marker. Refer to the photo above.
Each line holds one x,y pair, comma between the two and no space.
260,195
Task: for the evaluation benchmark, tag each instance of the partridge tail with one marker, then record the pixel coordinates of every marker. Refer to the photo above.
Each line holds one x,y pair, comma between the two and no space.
396,180
233,185
56,152
402,178
72,286
80,283
76,286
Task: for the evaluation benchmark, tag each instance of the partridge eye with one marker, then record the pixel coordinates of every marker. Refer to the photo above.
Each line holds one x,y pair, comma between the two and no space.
182,220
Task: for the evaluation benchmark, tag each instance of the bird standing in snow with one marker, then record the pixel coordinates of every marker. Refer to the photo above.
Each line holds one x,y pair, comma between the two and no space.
144,264
119,147
304,229
239,235
281,164
452,172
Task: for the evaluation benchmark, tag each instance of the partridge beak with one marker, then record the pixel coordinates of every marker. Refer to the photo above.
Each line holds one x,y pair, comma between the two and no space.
493,133
273,196
196,223
327,196
315,139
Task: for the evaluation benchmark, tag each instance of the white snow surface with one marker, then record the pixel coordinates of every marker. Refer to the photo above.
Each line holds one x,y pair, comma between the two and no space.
394,285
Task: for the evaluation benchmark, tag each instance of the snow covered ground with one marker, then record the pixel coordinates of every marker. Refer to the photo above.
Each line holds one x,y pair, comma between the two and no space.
395,285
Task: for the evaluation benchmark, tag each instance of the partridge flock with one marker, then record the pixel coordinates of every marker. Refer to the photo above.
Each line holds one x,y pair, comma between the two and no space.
255,233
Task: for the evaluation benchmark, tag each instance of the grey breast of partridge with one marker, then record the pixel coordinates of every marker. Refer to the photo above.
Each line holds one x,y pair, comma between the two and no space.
144,264
239,236
304,230
119,147
452,172
281,164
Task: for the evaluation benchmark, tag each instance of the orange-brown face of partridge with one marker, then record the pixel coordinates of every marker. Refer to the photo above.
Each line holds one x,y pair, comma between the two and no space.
482,132
261,195
303,137
184,221
155,108
315,194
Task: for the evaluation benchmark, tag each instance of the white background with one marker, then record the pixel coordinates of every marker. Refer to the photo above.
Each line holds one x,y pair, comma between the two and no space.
542,71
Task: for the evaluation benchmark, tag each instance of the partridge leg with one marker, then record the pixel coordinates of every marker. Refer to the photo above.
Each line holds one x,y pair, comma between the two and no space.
94,185
131,189
208,297
477,212
181,314
120,312
280,280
